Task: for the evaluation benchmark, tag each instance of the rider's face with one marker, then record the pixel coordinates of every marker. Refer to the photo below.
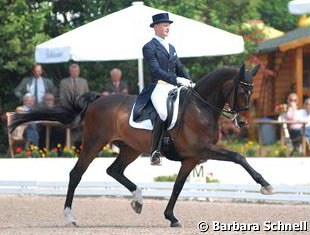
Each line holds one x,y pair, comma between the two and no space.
162,29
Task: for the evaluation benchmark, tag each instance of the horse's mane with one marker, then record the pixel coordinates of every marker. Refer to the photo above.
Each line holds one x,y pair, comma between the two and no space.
217,77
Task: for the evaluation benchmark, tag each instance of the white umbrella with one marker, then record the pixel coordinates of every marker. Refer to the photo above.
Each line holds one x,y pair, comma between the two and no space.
299,7
121,36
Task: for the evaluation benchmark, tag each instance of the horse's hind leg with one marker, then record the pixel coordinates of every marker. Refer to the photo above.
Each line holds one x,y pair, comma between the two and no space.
126,156
226,155
86,157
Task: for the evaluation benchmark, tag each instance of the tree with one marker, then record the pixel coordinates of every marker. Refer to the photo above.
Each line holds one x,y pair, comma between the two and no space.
275,13
20,31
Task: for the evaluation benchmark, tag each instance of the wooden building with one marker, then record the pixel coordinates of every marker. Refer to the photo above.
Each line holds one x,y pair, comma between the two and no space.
285,64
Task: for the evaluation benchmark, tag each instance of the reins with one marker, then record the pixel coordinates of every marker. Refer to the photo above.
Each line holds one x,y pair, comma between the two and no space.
229,114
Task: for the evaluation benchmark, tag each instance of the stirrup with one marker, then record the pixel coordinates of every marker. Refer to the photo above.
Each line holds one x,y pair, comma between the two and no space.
155,158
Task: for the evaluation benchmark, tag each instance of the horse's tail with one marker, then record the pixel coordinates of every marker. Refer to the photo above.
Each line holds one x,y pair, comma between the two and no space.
71,114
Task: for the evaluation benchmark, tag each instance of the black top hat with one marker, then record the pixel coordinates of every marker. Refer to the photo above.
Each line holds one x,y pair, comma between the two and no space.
160,18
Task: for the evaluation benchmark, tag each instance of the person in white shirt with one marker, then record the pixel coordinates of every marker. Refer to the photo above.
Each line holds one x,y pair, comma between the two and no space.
294,114
36,85
305,116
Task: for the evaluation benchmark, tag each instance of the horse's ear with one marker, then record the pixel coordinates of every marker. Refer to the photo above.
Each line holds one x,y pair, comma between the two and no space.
242,72
255,70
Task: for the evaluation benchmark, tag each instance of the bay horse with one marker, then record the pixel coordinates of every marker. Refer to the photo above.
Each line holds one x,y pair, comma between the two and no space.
106,119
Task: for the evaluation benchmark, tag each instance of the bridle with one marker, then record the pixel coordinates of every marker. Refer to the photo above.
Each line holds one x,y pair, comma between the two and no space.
233,113
248,88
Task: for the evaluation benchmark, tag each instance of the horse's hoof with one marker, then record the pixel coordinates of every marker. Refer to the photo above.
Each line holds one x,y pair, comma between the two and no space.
176,225
268,190
72,224
136,206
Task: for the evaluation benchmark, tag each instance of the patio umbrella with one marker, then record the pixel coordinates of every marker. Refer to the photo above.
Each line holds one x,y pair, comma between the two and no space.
299,7
121,36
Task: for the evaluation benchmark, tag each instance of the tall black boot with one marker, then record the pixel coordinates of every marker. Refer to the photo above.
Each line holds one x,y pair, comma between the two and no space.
156,141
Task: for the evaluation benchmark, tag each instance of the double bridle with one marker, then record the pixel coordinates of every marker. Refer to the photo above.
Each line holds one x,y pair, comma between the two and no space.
233,113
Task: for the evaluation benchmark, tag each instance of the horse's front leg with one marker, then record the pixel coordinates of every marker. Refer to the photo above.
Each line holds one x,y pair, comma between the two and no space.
126,156
186,167
216,153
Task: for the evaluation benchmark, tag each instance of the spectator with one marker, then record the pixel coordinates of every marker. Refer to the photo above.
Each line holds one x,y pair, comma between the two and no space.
293,114
57,133
305,114
72,87
49,100
36,85
115,85
30,134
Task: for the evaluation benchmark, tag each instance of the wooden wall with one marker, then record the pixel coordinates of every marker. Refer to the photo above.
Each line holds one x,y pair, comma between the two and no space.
272,89
285,77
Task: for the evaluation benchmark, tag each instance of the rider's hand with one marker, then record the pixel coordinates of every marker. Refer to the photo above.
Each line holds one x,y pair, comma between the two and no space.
184,82
192,84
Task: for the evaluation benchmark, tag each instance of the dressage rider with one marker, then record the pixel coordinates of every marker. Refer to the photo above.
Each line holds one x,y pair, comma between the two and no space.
167,72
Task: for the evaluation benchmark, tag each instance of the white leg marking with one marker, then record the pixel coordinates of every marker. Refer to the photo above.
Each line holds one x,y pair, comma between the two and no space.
137,195
68,216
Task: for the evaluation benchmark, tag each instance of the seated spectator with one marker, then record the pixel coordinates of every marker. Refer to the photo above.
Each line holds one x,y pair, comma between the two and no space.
57,133
49,100
293,114
116,85
30,134
305,114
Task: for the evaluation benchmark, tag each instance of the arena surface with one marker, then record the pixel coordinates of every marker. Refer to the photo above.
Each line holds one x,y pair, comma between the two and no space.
102,215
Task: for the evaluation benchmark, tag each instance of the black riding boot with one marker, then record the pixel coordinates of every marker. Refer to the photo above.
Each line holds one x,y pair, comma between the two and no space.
156,141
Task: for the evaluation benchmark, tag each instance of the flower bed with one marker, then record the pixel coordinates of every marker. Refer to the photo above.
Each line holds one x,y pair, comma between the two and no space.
59,151
253,149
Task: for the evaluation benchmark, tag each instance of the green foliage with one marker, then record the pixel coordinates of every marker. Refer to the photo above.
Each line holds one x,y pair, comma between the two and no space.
211,180
20,31
165,178
275,13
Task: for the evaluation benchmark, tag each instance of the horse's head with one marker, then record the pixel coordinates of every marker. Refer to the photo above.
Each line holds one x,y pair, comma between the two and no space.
226,86
239,97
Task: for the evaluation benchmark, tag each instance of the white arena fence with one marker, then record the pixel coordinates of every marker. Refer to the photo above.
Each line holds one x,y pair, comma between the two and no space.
192,191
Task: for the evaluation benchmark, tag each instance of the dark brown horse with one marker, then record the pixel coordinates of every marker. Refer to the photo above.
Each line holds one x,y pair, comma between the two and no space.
194,137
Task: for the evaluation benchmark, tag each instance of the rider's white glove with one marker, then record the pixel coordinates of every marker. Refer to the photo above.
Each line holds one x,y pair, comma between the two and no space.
184,82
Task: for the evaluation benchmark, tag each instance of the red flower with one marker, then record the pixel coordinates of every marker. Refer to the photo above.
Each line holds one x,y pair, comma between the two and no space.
19,150
281,108
28,152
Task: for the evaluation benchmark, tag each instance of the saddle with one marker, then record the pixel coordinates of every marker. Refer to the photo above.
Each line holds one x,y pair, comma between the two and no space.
150,113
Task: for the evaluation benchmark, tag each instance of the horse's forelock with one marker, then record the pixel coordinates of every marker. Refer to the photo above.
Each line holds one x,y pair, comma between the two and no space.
248,78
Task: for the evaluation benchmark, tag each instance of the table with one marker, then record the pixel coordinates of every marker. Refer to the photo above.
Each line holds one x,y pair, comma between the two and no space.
49,125
283,123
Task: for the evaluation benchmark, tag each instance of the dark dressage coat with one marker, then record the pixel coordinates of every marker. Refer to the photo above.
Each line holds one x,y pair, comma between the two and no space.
163,66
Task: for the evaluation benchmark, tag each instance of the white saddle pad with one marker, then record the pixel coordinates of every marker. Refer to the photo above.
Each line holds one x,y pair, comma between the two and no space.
147,124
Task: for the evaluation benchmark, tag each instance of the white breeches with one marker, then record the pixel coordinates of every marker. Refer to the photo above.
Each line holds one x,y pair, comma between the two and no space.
159,98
